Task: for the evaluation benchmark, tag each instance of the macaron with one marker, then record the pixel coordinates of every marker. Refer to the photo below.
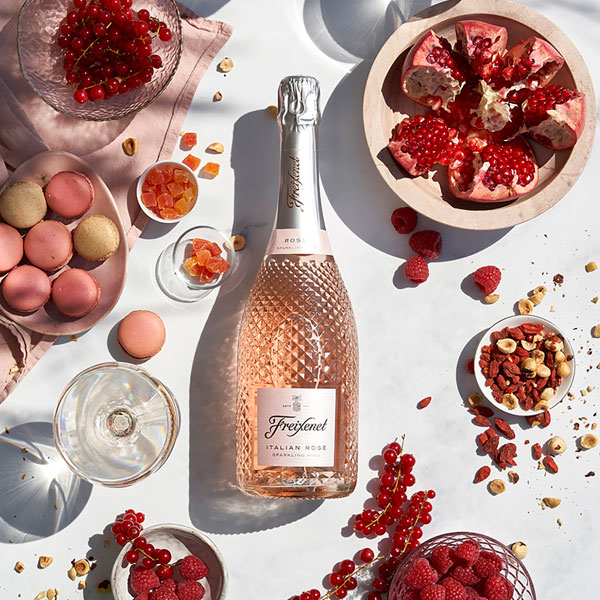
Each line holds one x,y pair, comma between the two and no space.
48,245
26,288
96,238
142,334
69,194
75,293
22,204
11,247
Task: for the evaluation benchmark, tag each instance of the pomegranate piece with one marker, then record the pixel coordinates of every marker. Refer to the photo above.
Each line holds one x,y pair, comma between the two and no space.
494,172
418,142
532,61
432,74
554,116
501,116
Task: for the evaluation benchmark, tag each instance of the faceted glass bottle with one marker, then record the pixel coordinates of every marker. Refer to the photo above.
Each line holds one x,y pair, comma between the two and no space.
297,410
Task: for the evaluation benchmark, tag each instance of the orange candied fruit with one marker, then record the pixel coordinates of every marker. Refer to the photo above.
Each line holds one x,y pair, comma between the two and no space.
191,161
168,213
175,189
180,176
149,199
182,207
190,139
165,201
212,168
205,260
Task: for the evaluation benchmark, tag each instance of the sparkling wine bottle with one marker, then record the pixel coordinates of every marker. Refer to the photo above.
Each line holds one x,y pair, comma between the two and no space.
297,411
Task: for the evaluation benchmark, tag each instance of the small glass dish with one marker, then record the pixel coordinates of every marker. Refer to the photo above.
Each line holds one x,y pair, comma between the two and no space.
512,568
142,178
41,60
115,424
172,277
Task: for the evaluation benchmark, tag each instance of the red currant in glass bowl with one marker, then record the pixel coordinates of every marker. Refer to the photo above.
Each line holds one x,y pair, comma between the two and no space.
99,60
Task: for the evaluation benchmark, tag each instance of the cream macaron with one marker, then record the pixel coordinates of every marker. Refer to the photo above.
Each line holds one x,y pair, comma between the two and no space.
96,238
23,204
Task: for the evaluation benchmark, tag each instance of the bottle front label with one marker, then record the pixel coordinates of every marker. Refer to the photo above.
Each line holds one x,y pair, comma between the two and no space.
296,427
297,241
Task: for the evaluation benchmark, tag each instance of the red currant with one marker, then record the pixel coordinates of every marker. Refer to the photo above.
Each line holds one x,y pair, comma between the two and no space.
164,572
425,518
164,34
431,494
120,538
396,551
341,593
132,556
387,480
407,461
373,596
359,526
79,3
91,12
116,528
347,566
380,529
147,563
163,556
66,29
150,550
396,447
113,5
143,15
140,28
72,17
112,85
140,543
314,594
72,77
383,499
97,93
336,578
384,571
77,44
156,61
390,456
408,479
139,517
379,584
305,596
368,530
351,583
367,555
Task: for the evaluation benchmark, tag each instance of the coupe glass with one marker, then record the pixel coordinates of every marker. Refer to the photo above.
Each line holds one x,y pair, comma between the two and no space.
115,424
41,60
513,569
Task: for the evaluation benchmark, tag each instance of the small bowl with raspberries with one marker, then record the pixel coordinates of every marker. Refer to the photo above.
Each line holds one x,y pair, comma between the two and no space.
166,562
462,565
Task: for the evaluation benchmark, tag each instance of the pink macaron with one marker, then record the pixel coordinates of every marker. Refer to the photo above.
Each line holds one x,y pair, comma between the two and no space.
75,293
26,288
69,194
142,334
11,247
48,245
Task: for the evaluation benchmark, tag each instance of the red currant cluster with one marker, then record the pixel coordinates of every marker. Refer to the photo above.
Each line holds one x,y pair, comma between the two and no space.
127,529
108,48
396,508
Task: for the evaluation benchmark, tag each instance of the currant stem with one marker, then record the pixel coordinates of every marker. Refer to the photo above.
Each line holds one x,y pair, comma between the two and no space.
355,572
148,556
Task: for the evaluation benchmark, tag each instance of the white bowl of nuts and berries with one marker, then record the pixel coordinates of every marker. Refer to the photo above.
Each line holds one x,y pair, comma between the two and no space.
524,365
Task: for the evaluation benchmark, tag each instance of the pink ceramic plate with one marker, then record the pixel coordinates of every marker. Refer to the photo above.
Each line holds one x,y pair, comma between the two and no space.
110,274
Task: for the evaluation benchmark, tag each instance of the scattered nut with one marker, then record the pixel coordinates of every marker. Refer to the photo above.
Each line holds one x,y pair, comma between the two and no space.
596,332
595,299
551,502
273,110
81,585
216,148
51,593
587,441
591,266
510,401
72,573
19,567
560,356
590,388
45,561
525,306
497,486
238,242
506,345
41,595
130,146
541,405
103,586
529,367
536,299
225,65
547,394
538,338
538,356
82,567
554,343
557,445
543,371
540,289
474,399
14,369
491,298
563,369
519,549
529,346
513,476
217,97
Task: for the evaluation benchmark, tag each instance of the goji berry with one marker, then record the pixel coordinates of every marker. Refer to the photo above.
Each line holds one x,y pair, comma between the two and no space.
424,403
482,474
516,334
504,428
482,438
550,464
491,446
481,421
536,451
484,411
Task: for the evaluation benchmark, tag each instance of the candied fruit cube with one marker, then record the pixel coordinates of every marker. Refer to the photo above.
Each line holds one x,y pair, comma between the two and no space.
190,195
199,243
147,186
202,257
167,171
175,189
193,162
190,139
190,262
180,176
165,201
155,176
197,270
206,276
213,248
216,264
149,199
182,207
212,169
168,213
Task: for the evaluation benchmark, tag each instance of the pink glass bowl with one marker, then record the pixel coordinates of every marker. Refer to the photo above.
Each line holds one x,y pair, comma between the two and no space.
513,570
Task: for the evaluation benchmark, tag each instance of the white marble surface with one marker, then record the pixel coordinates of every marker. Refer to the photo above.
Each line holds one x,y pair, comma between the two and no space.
413,341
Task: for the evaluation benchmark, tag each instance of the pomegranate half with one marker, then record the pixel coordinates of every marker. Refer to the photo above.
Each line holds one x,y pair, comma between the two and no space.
533,62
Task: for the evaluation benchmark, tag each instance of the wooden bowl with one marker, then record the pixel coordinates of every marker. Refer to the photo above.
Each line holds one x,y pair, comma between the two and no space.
384,105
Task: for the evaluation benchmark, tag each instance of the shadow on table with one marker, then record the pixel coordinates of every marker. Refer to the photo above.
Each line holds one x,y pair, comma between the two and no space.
39,494
205,8
216,505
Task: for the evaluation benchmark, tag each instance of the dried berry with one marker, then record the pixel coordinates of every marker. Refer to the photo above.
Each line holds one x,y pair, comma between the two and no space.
482,474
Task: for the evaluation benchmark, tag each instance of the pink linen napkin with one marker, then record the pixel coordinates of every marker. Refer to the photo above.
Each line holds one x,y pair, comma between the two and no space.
29,126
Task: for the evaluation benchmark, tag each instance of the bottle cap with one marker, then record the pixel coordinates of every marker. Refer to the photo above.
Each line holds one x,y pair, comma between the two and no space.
299,101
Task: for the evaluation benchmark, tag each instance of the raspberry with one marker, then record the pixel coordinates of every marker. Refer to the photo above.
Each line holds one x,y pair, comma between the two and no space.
169,584
468,552
433,592
404,219
488,564
411,595
465,575
487,279
416,270
498,588
163,593
421,574
143,596
427,244
192,567
454,589
190,590
143,580
441,559
472,594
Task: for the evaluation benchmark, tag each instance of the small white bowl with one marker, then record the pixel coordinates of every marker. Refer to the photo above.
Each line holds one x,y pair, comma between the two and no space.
138,190
180,541
515,321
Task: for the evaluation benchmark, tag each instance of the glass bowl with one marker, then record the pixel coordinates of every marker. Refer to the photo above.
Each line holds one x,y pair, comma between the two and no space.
513,569
115,424
41,60
175,281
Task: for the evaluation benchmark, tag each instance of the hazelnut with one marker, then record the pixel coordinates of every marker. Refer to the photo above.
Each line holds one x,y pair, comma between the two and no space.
551,502
216,148
529,346
560,356
82,567
596,331
547,394
519,549
557,445
543,371
540,289
474,399
41,595
238,242
130,146
19,567
595,299
491,298
587,441
541,405
51,593
538,356
217,97
225,65
591,266
537,338
554,343
506,345
510,401
45,561
273,110
525,306
497,486
72,573
563,369
529,367
536,299
513,476
81,585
